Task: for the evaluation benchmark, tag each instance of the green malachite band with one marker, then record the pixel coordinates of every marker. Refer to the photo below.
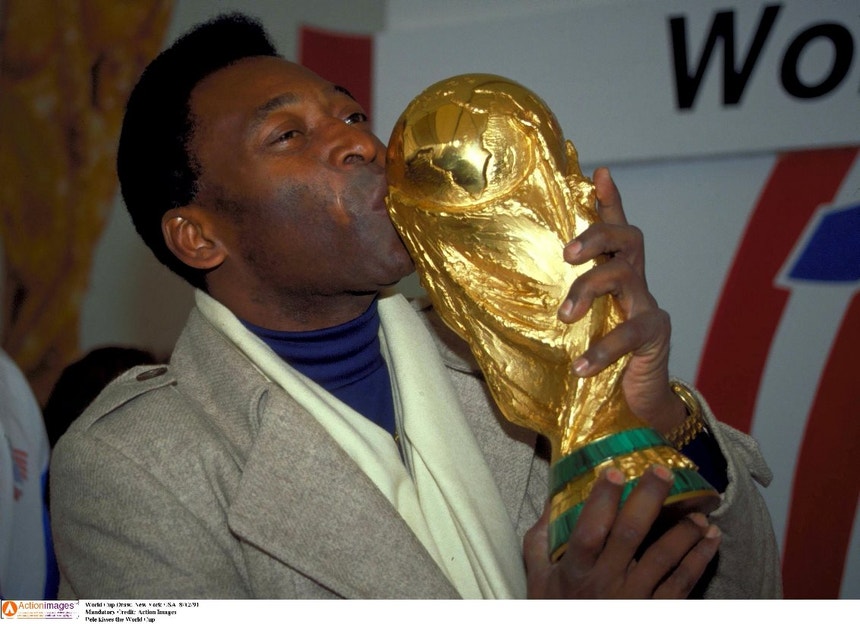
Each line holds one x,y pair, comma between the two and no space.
686,480
591,455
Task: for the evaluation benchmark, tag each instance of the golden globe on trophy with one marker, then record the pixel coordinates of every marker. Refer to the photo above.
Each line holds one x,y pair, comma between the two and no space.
486,192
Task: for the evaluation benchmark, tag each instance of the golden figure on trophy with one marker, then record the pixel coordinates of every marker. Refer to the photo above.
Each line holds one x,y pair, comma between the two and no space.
486,192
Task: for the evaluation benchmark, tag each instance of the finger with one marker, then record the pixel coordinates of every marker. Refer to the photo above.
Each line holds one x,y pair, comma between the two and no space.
636,517
674,549
588,537
614,277
683,579
536,543
609,205
536,556
605,239
643,334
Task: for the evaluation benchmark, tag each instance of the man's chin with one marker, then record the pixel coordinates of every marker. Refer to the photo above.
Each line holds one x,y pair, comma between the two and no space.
399,279
384,284
410,270
364,293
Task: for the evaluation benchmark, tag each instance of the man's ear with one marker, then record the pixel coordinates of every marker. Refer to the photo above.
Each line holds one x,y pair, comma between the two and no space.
190,234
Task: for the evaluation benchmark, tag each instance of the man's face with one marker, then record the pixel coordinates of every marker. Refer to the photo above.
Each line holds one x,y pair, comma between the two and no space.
297,181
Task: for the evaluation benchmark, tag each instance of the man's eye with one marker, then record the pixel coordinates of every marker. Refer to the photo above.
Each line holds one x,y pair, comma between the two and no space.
356,118
286,136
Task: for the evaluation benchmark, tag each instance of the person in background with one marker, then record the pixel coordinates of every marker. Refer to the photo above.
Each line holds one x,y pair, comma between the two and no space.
28,569
82,381
315,435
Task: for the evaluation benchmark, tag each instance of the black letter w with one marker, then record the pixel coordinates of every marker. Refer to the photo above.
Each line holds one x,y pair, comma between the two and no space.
723,27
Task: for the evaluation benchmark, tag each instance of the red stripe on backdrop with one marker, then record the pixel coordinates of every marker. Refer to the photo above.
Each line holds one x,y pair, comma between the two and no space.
750,307
826,482
344,59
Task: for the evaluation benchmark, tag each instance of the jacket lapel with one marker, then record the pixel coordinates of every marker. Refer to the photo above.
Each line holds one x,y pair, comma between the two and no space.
306,503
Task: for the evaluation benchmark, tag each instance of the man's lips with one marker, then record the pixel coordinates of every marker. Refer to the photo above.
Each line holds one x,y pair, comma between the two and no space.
377,197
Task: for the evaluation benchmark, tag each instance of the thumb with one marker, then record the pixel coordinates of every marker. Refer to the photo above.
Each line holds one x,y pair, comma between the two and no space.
536,555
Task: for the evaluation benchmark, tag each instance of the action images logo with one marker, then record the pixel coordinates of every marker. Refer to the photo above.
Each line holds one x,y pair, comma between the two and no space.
39,609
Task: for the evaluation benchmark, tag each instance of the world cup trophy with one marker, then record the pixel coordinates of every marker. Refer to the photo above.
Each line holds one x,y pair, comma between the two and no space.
486,192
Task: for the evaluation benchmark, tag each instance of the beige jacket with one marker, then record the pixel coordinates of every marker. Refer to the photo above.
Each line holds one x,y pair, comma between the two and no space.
204,480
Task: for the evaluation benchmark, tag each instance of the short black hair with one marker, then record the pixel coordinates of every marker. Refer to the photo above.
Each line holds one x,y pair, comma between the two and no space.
155,169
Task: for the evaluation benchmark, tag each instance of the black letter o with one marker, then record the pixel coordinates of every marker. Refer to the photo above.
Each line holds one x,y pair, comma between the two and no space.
843,46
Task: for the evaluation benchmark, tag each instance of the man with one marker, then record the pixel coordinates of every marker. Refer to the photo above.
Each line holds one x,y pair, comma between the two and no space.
313,436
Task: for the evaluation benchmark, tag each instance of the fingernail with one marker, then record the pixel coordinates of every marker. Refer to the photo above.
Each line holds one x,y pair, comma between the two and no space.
613,475
698,519
580,366
573,248
713,532
565,309
663,473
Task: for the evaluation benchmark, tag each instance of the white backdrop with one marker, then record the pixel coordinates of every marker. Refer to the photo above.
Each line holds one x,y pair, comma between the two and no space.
606,69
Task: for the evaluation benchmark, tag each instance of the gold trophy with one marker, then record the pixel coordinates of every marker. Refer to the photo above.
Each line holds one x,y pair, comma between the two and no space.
486,192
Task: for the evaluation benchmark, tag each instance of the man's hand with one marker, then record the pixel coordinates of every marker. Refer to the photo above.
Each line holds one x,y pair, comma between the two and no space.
602,558
646,331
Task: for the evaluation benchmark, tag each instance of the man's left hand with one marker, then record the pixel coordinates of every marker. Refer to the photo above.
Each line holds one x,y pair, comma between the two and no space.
646,331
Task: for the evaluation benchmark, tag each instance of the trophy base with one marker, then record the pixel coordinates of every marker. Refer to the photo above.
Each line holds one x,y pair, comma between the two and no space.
633,451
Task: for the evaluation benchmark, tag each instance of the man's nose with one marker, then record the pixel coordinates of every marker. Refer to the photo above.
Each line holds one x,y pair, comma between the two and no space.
352,146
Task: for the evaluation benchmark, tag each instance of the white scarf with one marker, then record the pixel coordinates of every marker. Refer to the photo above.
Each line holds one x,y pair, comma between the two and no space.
451,501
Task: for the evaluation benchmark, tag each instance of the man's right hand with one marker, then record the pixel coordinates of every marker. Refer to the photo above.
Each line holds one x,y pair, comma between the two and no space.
602,558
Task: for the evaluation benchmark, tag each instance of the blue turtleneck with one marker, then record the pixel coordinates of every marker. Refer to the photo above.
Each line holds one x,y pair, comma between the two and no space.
346,360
